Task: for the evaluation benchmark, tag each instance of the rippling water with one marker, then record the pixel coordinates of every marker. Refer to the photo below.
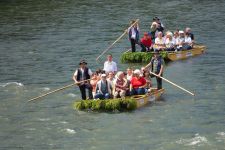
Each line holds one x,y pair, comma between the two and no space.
42,43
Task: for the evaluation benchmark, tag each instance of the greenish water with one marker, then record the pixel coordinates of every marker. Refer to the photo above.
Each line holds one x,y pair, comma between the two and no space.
42,43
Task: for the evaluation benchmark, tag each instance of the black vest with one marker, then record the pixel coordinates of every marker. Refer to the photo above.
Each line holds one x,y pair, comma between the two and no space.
85,75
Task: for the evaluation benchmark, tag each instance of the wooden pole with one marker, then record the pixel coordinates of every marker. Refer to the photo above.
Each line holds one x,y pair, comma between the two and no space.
116,40
62,88
173,84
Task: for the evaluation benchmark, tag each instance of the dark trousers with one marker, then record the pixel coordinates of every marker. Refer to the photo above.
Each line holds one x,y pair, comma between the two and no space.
133,45
138,91
144,48
159,81
83,88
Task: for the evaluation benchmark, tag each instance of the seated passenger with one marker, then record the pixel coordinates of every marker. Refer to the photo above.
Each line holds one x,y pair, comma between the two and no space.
110,77
146,43
189,33
103,88
176,39
129,74
147,77
93,82
120,85
137,83
188,42
184,42
154,31
159,42
170,43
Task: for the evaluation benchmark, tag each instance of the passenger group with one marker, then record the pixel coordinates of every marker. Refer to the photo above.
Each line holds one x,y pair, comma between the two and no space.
110,83
156,39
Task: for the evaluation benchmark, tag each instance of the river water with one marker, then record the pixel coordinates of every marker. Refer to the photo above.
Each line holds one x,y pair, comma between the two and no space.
42,43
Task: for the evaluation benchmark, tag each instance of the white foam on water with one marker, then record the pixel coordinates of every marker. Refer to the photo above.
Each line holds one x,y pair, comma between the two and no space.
11,83
63,122
72,95
197,140
221,136
31,129
70,131
45,88
43,119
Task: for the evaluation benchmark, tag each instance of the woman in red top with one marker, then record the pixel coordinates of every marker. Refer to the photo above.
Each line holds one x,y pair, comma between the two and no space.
146,43
137,83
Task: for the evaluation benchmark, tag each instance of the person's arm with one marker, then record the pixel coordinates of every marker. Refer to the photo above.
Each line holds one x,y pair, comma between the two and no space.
161,68
75,76
90,72
97,88
144,83
131,87
104,68
115,68
148,65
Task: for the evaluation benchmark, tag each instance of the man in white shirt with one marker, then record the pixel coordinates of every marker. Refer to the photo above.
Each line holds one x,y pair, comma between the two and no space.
110,65
133,34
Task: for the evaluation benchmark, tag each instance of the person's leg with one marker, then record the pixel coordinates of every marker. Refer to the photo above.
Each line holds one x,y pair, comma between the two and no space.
170,49
107,96
134,92
141,91
99,96
133,43
143,48
115,94
89,87
122,93
159,83
188,47
82,91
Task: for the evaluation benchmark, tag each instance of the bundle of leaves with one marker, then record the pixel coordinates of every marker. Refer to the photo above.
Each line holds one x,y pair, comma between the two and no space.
109,105
139,57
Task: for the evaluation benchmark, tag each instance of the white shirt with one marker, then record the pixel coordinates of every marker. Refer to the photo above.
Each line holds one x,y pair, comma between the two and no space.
187,39
176,41
110,66
133,33
82,73
169,43
159,41
180,41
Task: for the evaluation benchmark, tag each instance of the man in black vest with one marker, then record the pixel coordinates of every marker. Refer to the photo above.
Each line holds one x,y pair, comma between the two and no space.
83,73
157,66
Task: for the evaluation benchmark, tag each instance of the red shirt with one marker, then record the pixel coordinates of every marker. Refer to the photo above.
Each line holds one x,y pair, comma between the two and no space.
136,83
146,41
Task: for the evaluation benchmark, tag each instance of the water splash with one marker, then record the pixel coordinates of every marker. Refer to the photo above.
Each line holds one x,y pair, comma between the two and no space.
221,136
45,88
197,140
44,119
17,84
70,131
72,95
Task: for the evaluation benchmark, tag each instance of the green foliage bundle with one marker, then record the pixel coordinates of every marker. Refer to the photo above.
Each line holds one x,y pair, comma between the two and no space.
109,105
139,57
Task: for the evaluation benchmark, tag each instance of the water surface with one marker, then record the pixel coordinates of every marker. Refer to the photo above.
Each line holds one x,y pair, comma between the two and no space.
42,43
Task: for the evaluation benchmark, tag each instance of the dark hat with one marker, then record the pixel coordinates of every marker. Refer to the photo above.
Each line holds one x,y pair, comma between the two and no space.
83,62
155,18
